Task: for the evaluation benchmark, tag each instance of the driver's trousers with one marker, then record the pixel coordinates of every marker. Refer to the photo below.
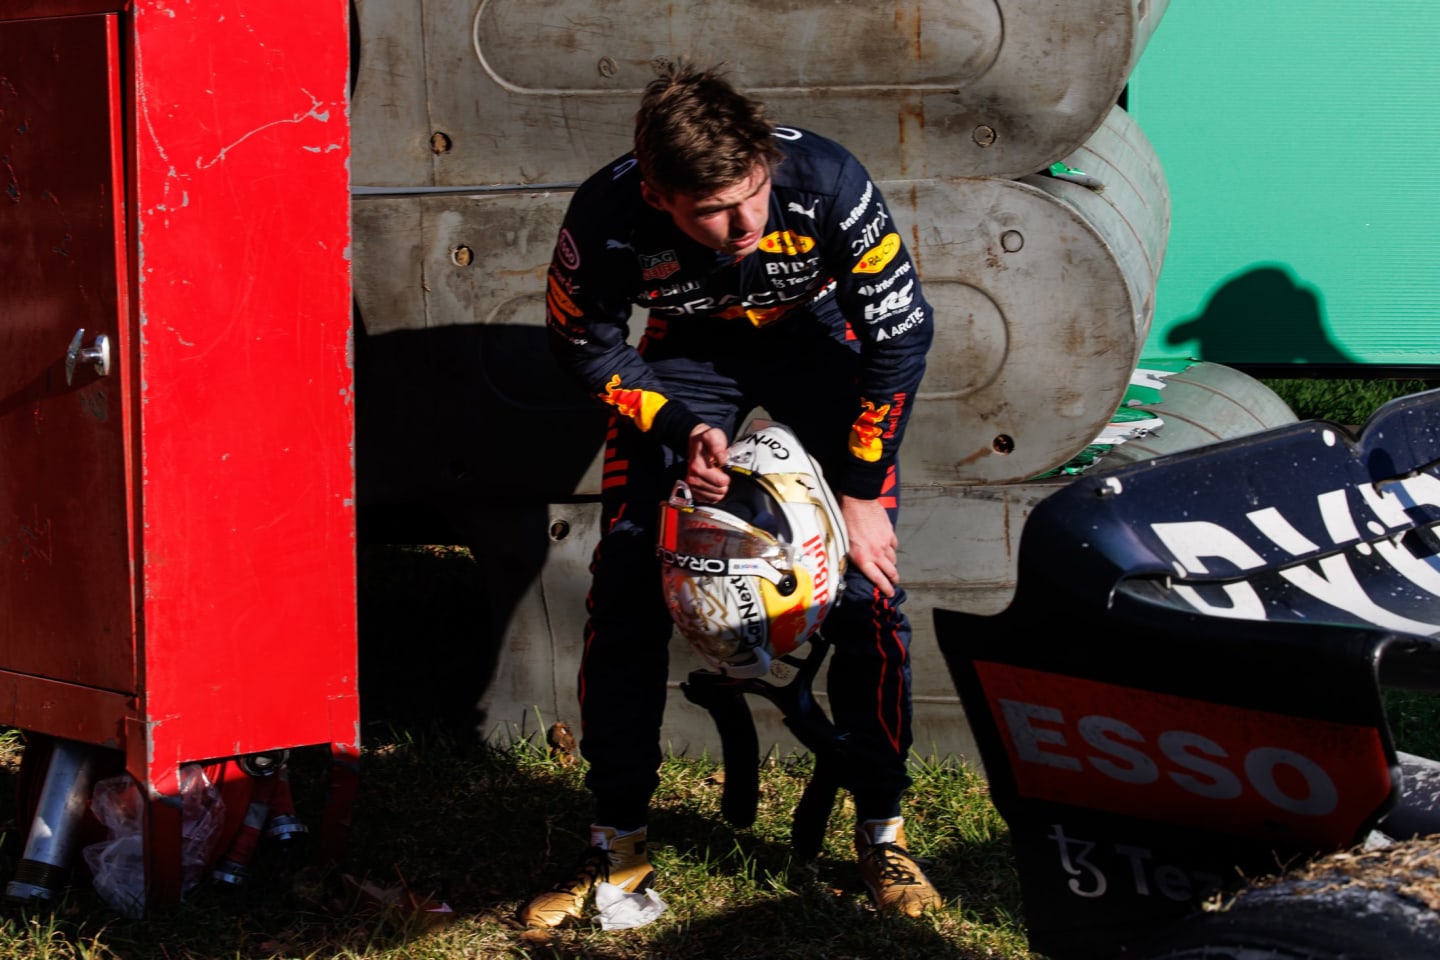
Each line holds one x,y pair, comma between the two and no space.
802,377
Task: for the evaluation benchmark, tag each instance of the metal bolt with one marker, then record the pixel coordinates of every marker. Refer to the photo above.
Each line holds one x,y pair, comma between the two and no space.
607,67
440,142
1003,444
559,530
462,255
984,135
1011,241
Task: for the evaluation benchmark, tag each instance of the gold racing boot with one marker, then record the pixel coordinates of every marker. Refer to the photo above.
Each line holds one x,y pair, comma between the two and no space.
895,880
613,857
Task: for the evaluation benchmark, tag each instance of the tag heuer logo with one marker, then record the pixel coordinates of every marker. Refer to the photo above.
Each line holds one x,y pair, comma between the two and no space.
658,266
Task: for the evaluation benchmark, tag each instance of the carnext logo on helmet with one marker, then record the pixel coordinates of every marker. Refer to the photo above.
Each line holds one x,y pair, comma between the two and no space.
742,457
751,619
777,448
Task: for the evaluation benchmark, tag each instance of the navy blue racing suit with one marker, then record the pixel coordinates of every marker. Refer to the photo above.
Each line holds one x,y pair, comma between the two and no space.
825,327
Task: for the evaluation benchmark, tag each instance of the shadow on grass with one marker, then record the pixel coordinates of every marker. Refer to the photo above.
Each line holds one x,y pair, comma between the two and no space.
481,830
453,823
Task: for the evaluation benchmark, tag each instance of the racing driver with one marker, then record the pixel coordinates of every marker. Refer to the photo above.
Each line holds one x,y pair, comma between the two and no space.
773,276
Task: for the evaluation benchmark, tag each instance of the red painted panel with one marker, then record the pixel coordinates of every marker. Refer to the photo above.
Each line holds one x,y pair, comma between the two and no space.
86,714
65,594
241,201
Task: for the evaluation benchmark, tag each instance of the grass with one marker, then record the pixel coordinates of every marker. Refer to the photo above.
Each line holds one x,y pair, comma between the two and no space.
480,828
1343,401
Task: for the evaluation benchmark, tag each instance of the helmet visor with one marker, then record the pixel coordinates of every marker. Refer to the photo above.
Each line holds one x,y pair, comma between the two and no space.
710,540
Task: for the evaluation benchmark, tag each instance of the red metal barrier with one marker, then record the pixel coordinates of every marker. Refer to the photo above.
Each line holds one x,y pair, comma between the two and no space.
176,514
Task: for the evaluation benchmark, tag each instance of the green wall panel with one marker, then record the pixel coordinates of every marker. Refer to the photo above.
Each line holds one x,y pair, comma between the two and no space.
1301,143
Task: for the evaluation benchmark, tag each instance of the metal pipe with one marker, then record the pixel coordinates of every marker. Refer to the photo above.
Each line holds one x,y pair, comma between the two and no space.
55,829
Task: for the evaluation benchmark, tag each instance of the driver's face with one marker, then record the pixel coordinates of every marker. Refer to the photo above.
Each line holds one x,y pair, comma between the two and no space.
730,220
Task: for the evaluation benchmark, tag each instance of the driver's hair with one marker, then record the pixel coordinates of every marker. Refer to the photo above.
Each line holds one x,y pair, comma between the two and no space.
694,133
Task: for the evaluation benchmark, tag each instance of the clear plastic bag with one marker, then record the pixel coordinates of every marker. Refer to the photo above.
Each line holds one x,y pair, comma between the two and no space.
118,862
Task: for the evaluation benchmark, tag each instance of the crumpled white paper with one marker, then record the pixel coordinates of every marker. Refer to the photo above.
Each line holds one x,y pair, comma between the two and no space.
625,911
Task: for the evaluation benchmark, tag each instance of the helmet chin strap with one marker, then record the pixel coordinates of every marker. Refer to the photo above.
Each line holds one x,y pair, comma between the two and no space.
723,697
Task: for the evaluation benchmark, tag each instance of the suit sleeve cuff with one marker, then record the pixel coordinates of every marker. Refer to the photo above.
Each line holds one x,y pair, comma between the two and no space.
864,481
673,425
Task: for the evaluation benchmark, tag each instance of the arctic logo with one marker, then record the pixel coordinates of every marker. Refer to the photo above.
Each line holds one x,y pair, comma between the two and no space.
858,211
566,250
895,301
917,317
794,207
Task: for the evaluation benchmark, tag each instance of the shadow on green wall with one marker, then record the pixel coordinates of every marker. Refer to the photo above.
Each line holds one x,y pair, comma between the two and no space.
1260,316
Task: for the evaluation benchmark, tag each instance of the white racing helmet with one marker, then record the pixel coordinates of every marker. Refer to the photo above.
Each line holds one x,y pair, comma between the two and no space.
752,577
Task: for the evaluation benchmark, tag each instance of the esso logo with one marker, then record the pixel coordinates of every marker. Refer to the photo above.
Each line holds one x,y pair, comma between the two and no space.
1284,778
1180,760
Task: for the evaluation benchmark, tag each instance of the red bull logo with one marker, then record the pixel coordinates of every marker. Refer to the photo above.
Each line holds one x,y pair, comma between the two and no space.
814,548
788,630
865,431
895,416
639,405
